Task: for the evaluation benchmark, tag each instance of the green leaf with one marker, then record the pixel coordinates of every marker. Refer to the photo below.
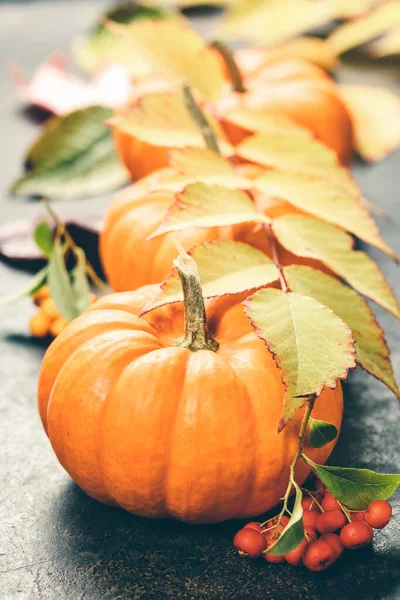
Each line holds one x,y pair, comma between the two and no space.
60,285
101,46
80,283
311,345
73,157
225,267
293,534
201,205
321,433
372,352
32,286
43,237
325,199
311,238
356,488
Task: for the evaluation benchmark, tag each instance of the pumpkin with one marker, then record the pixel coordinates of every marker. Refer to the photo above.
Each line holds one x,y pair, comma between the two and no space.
166,426
131,260
293,87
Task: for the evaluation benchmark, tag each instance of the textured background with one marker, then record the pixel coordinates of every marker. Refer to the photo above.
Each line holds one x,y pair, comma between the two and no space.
55,542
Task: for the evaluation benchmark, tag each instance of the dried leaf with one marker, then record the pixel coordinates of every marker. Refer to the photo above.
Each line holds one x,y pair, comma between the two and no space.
163,120
201,205
293,534
372,353
73,157
311,238
226,267
54,89
325,199
387,45
177,51
375,114
357,32
295,329
270,22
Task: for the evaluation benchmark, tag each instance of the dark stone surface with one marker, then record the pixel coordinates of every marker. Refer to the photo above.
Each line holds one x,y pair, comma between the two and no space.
55,542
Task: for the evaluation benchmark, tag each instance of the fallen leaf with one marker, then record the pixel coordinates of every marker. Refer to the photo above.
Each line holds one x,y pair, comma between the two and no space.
201,205
176,51
325,199
311,238
357,32
226,267
375,113
372,353
387,45
55,90
296,329
73,157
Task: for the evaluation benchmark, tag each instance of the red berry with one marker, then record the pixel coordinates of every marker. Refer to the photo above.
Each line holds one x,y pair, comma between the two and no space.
310,519
329,502
331,521
311,532
319,486
309,504
356,534
295,557
249,542
273,522
334,541
253,525
273,558
318,556
379,514
358,516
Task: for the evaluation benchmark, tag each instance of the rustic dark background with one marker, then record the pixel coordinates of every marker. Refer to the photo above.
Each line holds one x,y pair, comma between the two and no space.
55,542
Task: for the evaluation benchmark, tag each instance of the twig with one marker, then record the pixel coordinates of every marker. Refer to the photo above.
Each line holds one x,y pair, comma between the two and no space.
275,258
200,119
234,73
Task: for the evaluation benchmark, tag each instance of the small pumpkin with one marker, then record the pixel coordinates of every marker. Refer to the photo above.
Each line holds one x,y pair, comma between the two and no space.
131,260
166,426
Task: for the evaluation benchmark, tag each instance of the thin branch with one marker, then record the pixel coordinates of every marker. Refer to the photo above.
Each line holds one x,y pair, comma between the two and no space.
234,73
200,119
275,258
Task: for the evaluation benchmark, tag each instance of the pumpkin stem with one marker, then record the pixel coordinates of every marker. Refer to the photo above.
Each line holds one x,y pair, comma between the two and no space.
231,66
196,333
200,119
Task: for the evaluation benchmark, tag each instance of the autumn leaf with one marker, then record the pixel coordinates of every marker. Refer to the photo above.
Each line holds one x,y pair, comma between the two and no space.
163,120
73,157
260,121
325,199
311,238
387,45
226,267
295,329
270,22
175,50
372,353
375,114
357,32
201,205
311,49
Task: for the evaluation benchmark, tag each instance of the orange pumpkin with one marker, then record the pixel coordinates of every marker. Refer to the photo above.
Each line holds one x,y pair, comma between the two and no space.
161,429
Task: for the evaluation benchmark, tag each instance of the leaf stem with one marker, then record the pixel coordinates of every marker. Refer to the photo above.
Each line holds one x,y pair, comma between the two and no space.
200,119
63,231
275,258
229,59
196,336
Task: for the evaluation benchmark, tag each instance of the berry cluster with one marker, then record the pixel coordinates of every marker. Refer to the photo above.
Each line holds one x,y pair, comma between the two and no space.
329,528
48,321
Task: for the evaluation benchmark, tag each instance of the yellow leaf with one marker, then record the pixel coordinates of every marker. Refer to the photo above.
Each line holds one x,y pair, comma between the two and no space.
325,199
372,351
348,9
311,345
310,48
175,50
163,120
315,239
387,45
375,114
201,205
260,121
226,267
353,34
270,22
